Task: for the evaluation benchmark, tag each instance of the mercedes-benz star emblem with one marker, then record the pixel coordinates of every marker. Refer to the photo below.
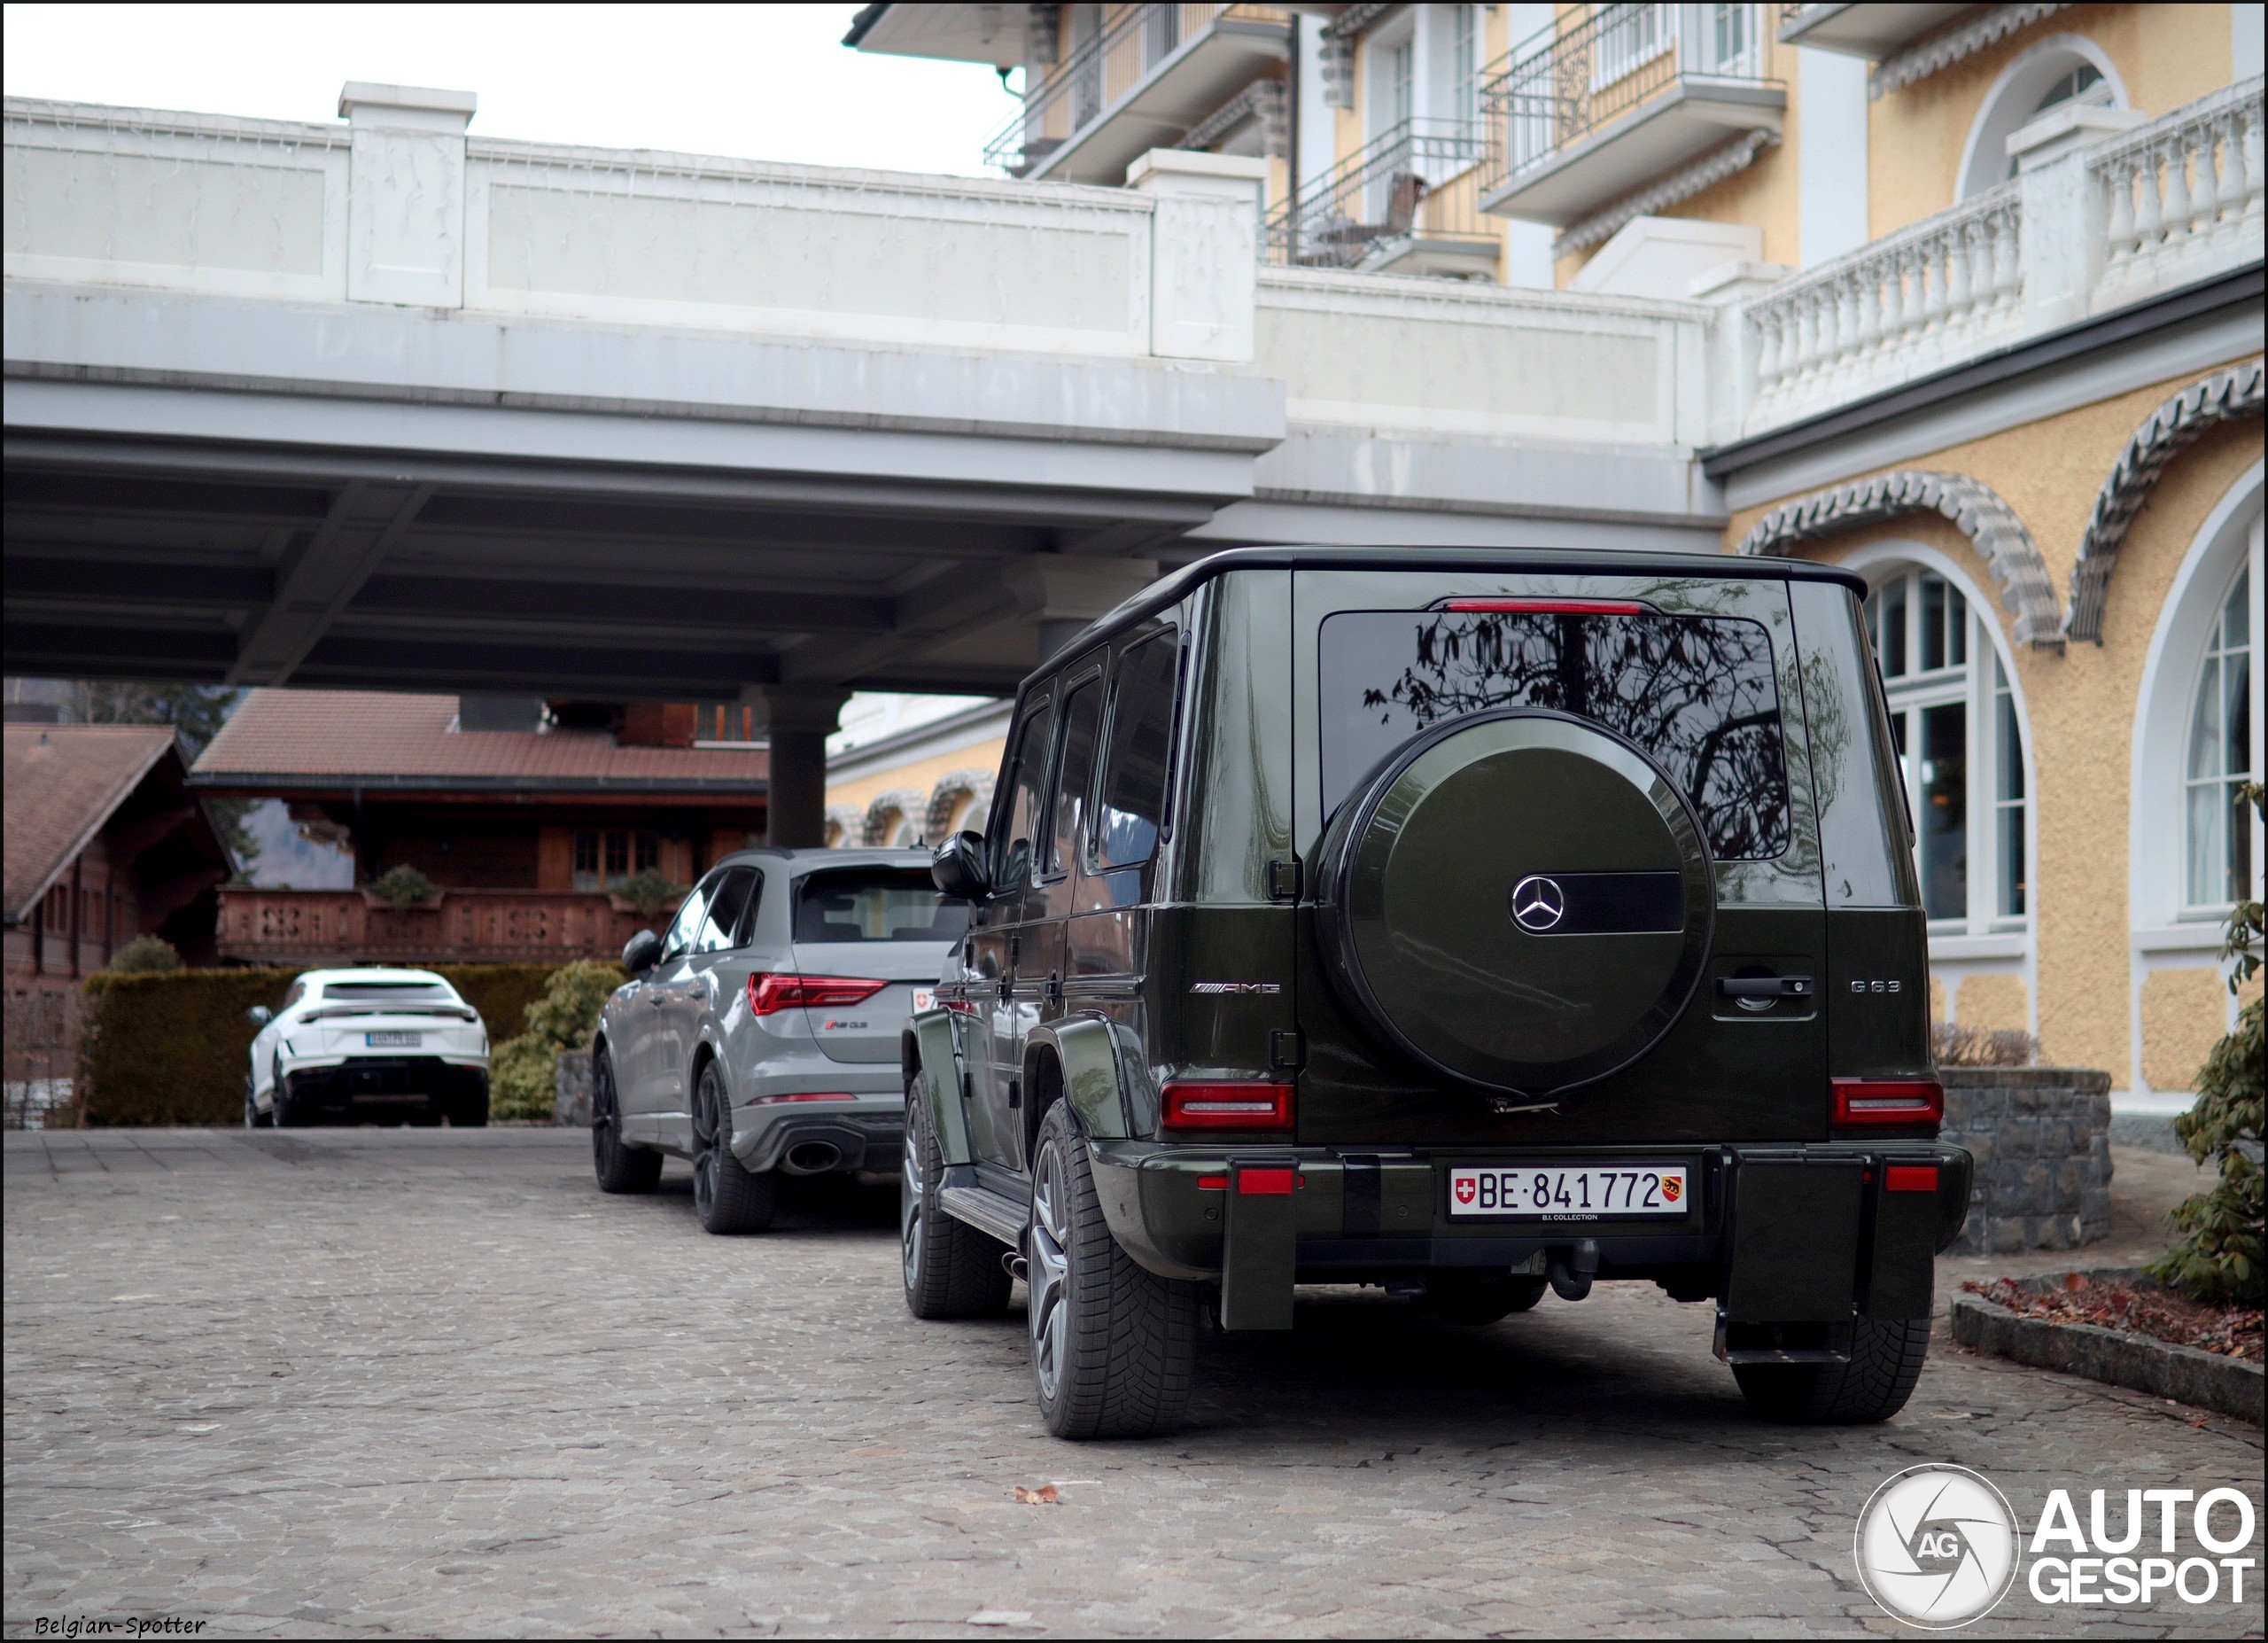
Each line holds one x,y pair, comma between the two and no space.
1537,903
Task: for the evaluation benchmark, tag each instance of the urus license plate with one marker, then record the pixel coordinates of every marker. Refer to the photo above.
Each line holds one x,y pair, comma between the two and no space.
1559,1194
393,1040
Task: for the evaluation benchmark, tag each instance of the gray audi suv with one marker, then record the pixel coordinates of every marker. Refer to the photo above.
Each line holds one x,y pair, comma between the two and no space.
759,1036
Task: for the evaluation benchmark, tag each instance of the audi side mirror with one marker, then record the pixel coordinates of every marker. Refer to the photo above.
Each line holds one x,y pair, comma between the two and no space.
641,952
958,867
259,1014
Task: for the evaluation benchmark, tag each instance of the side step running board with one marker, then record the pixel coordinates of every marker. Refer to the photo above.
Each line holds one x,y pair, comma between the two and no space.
991,1213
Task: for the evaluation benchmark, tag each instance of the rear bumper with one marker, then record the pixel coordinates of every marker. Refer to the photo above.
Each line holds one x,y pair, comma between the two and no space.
1753,1232
867,1132
374,1083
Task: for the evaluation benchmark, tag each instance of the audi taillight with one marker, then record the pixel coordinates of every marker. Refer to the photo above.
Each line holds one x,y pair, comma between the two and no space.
1545,607
770,993
1863,1102
1240,1105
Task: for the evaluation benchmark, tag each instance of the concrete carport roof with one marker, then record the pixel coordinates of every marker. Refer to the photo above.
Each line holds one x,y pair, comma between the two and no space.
147,551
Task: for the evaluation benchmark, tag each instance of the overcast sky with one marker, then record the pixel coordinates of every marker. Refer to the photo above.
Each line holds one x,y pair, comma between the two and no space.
752,82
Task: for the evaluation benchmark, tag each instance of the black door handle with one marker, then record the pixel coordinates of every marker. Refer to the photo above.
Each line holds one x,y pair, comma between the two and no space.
1764,986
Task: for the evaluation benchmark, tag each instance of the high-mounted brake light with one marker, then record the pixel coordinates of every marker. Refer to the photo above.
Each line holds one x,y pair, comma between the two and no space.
1229,1106
1547,607
1888,1101
767,994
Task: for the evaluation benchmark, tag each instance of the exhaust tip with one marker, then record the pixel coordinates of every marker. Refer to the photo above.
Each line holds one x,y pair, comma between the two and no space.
812,1157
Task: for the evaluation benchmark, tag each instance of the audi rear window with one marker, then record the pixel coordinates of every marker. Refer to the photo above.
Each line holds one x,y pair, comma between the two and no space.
876,904
1697,693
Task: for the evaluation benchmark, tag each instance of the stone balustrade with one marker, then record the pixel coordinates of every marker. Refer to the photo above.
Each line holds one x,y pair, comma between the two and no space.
2180,193
1944,289
2105,213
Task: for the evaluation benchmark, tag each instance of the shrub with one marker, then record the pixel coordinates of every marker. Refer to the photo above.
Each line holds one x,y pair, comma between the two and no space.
2220,1259
524,1071
652,891
172,1046
402,885
145,956
1979,1047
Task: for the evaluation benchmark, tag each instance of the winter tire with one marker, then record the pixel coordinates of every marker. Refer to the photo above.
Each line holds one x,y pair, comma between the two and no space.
1113,1346
727,1197
619,1166
254,1118
1886,1356
951,1269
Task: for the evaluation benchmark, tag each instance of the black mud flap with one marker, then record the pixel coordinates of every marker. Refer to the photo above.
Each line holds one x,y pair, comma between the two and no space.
1260,1250
1907,1216
1795,1245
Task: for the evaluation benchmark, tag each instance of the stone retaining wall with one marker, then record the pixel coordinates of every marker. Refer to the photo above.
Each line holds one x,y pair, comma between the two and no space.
573,1104
2041,1139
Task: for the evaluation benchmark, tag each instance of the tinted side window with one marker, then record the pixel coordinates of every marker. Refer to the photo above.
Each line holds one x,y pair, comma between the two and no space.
744,934
1696,692
1021,804
1082,718
687,924
1133,810
725,900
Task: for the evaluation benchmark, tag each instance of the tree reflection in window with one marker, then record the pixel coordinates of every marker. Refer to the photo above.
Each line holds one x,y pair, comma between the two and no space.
1695,692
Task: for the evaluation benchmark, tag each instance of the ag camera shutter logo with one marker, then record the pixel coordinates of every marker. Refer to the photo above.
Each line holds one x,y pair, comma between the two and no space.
1937,1547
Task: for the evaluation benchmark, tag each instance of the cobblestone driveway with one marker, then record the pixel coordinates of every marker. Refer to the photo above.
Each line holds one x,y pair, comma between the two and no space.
348,1382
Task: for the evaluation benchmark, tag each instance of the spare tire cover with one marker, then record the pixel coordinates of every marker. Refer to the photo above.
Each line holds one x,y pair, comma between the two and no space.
1520,900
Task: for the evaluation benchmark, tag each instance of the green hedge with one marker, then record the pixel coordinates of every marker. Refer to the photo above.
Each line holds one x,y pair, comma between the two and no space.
172,1046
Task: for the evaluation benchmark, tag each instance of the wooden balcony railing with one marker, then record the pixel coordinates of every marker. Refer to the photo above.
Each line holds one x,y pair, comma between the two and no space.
469,926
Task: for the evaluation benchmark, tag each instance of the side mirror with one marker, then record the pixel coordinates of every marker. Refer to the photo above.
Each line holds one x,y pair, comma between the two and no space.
958,867
641,952
259,1014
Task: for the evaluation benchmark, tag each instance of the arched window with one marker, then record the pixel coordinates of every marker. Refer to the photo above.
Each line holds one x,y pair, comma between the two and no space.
2217,847
1954,717
2059,70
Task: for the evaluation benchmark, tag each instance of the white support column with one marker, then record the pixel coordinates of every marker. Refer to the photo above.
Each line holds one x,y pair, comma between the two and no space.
406,194
1204,250
2063,245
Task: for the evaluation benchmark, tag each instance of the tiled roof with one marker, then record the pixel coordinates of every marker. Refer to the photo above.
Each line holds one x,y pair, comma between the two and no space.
299,739
64,781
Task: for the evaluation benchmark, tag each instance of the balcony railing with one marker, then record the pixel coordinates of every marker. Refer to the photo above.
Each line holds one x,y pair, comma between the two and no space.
1098,74
1413,184
2150,210
1591,65
469,926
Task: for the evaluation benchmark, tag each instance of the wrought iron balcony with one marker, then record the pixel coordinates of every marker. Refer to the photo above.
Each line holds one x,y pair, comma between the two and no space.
1407,203
1139,83
1601,102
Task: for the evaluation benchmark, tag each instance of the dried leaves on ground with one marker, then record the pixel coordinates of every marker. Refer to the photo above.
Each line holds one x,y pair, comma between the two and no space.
1046,1495
2160,1314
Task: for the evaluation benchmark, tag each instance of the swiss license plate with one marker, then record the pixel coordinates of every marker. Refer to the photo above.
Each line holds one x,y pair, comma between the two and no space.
924,999
1558,1192
393,1040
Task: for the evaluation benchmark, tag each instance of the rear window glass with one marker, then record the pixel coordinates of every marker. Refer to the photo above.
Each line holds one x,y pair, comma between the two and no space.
1695,692
876,904
383,990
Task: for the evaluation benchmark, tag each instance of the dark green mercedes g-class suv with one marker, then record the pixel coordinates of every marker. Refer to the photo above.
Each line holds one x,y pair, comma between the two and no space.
1469,922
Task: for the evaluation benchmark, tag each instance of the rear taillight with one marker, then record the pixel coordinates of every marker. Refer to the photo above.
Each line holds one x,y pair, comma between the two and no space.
1910,1178
774,1101
1545,607
767,994
1861,1101
1229,1106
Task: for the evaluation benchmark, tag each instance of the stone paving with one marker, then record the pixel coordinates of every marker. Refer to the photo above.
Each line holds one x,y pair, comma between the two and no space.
347,1383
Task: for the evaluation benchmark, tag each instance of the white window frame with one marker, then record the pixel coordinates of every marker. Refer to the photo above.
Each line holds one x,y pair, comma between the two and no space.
1646,30
1975,685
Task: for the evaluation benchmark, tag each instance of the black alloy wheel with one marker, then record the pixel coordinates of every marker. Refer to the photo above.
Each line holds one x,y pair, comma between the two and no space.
619,1167
727,1197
